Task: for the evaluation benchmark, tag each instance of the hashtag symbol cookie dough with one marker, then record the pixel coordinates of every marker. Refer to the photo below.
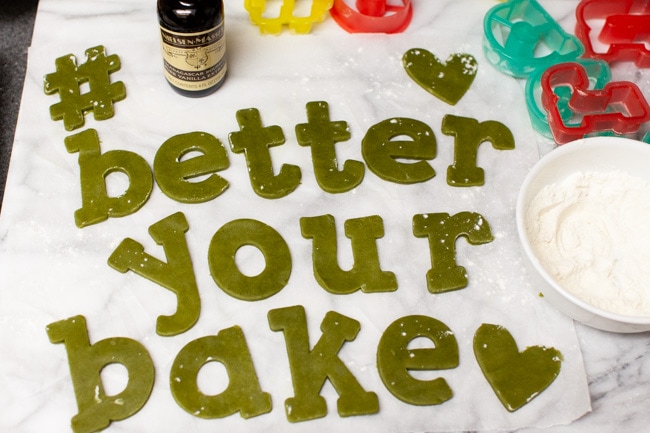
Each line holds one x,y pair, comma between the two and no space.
69,79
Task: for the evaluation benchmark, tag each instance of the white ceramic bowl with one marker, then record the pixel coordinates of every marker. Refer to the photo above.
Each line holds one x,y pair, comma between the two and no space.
589,154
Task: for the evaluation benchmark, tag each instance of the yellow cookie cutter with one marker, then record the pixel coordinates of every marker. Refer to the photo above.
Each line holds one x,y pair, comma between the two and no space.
298,24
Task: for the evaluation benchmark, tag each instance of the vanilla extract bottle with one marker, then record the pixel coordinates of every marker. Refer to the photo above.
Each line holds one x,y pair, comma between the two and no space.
193,43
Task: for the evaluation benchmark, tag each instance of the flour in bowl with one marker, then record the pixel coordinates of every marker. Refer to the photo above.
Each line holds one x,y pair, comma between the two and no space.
591,232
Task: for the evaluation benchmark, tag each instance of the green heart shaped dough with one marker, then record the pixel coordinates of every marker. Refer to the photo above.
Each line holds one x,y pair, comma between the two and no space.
516,377
447,81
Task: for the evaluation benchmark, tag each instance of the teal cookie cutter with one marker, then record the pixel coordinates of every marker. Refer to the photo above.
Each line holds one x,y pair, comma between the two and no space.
599,75
520,36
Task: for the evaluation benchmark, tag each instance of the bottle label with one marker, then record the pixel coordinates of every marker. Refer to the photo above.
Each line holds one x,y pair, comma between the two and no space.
194,61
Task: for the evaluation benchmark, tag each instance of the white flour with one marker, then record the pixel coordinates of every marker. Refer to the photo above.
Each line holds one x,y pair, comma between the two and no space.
592,234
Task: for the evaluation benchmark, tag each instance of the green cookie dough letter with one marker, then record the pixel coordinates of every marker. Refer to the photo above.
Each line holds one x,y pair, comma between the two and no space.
395,359
243,393
443,231
223,266
366,273
94,168
469,135
322,134
381,152
173,174
310,368
176,275
254,141
96,409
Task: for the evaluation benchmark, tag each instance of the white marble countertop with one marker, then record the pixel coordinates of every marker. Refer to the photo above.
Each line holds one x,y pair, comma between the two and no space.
617,366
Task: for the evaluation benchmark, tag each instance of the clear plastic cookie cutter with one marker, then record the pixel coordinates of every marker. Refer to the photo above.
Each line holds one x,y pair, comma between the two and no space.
520,36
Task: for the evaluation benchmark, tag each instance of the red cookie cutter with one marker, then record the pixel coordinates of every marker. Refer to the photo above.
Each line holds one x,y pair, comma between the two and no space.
618,107
626,29
372,16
